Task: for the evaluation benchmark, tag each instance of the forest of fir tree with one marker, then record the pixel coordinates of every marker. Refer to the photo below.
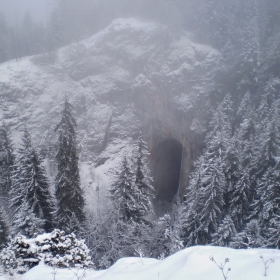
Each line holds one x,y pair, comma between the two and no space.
232,199
233,195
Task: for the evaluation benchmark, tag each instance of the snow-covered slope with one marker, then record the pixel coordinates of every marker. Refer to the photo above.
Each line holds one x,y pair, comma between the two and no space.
134,74
193,263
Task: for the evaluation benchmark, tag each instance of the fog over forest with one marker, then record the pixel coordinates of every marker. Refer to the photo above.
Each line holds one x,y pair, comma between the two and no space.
139,128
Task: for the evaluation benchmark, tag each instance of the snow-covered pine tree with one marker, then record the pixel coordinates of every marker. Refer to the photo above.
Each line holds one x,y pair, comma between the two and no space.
131,195
221,144
274,239
143,182
249,238
190,209
268,137
211,200
164,238
7,159
268,205
123,194
69,195
4,229
212,180
242,194
25,221
30,184
225,232
240,200
266,166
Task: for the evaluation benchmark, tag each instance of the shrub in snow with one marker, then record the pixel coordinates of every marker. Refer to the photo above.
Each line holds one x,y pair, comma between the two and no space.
63,250
55,249
18,256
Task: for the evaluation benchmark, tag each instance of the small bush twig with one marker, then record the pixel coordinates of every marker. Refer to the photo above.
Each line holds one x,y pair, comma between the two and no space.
266,264
80,272
222,267
54,271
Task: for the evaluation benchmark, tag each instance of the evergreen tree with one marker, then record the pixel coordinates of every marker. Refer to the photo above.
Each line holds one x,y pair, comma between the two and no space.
6,164
240,201
69,195
266,165
30,185
190,213
131,192
143,180
212,180
4,229
166,238
131,195
249,238
124,194
242,193
225,232
25,221
268,205
274,239
211,200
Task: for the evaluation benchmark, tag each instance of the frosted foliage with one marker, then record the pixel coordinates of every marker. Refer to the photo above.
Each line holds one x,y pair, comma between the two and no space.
29,195
226,231
25,222
249,238
54,249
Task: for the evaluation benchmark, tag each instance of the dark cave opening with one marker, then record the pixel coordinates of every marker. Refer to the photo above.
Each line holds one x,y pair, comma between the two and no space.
166,160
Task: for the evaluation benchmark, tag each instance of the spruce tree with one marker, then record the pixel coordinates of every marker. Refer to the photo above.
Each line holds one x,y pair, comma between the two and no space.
123,194
250,237
190,209
143,181
30,184
212,180
25,221
266,168
7,159
4,229
225,232
267,207
131,195
266,155
274,239
242,193
211,200
70,214
240,200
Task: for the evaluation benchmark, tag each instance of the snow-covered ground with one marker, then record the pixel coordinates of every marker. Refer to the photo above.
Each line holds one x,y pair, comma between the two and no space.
192,263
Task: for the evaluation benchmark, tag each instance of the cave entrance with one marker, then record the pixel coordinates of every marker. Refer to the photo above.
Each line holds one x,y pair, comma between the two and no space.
166,160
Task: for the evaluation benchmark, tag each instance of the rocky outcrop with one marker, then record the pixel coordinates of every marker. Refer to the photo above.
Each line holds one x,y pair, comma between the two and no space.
132,75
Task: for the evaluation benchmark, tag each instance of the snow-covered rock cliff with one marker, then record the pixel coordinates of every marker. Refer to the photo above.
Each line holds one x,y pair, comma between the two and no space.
132,75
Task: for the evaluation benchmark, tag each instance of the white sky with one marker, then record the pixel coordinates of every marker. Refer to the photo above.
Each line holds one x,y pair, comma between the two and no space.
14,10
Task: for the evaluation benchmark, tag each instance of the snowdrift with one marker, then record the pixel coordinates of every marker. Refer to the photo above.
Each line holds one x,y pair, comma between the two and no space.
192,263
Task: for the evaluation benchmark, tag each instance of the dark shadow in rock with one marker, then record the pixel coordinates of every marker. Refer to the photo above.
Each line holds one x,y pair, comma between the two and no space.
166,160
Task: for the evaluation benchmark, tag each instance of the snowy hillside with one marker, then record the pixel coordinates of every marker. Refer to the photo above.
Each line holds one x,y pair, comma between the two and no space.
193,263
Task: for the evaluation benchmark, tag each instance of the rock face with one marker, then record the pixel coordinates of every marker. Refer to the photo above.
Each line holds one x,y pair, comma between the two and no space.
132,75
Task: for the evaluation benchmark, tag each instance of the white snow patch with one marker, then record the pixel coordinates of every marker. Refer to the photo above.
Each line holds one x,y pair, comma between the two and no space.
192,263
121,24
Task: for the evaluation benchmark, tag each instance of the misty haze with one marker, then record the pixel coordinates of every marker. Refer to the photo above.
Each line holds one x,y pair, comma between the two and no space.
139,140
